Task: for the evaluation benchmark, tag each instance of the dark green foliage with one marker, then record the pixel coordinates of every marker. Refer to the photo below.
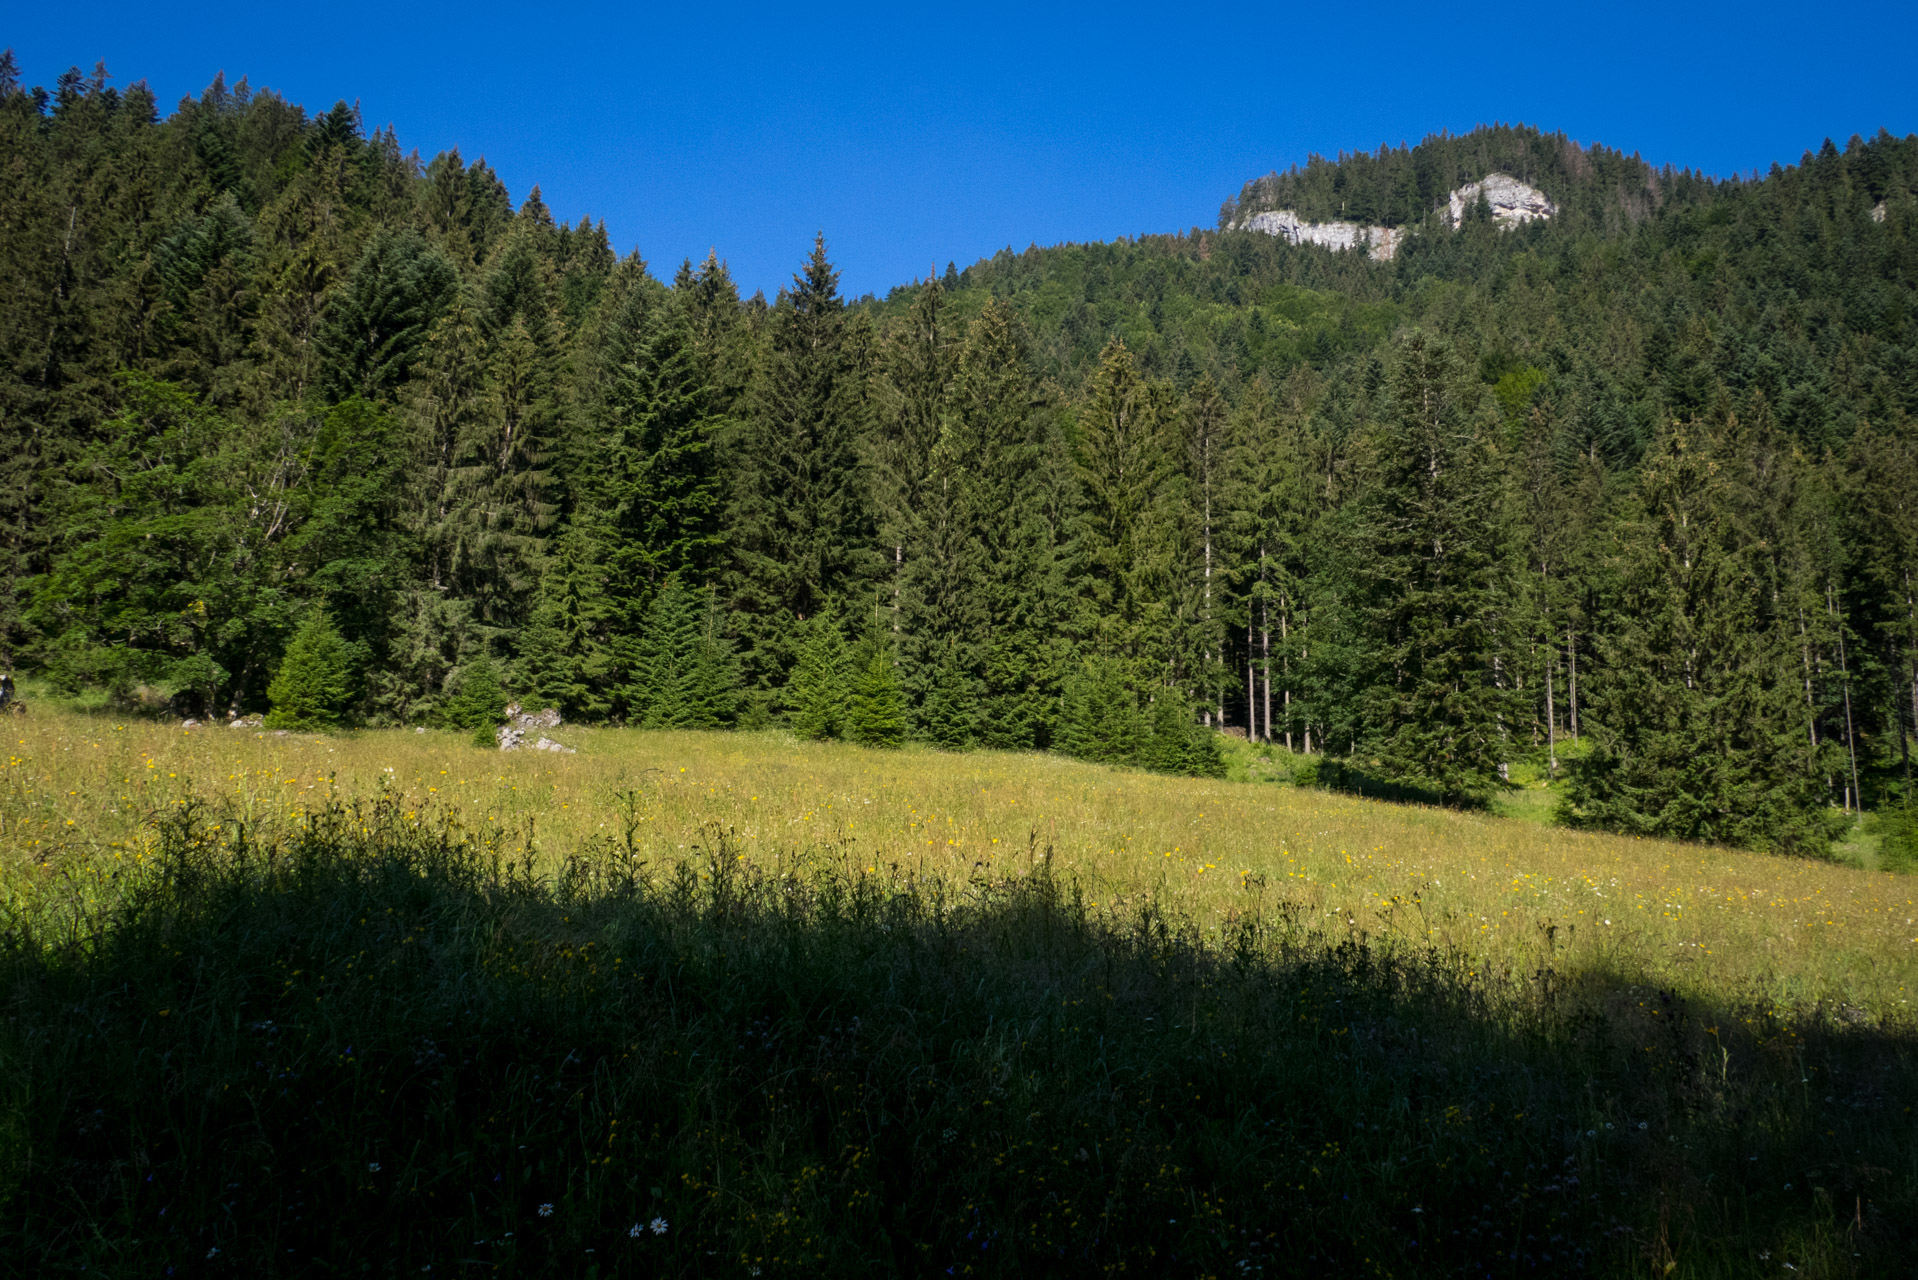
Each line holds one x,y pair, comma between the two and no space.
816,696
797,520
1431,565
875,707
376,324
684,675
163,573
1700,729
477,703
314,685
1106,719
569,648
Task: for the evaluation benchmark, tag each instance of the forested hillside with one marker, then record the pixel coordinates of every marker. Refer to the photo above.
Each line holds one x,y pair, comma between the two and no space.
293,419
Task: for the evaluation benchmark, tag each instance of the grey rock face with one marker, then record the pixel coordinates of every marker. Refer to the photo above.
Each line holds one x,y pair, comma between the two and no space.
512,734
1380,243
1514,203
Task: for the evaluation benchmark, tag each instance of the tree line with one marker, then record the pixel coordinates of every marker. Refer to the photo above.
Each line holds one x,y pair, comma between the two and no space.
296,420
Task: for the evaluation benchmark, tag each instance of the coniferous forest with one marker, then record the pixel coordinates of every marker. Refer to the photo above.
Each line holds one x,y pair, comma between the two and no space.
295,421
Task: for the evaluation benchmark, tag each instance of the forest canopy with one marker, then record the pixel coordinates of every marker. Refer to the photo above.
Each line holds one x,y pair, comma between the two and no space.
292,420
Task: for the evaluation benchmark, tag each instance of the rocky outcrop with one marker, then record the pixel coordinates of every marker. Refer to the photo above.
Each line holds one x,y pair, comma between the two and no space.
1514,203
1878,212
512,734
1380,243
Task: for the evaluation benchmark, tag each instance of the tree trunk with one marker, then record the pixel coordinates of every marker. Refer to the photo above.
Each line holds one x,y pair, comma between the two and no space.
1571,692
1844,671
1551,719
1285,670
1265,642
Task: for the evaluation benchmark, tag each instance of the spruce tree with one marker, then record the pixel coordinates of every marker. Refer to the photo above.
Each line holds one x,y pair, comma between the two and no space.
478,703
798,522
1698,723
314,686
875,706
1101,720
684,676
375,326
655,467
1128,519
1431,583
1014,517
817,693
568,656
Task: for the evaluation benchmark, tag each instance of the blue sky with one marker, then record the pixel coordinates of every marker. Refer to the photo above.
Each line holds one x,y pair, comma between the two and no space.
914,135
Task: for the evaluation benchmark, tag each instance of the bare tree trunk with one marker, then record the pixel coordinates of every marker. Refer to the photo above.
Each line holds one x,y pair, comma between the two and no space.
1206,611
1551,719
1811,707
1571,647
1251,663
1285,670
1265,641
1844,671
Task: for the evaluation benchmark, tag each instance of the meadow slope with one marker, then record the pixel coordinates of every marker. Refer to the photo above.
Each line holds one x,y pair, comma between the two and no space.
1706,921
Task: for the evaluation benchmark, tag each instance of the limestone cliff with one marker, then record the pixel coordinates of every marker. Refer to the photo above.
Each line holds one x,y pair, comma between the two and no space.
1513,203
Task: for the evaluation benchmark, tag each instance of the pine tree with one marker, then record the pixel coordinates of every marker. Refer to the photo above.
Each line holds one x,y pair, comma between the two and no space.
1431,584
816,696
314,685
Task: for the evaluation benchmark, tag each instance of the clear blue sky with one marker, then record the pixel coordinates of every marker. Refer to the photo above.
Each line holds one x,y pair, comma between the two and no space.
912,135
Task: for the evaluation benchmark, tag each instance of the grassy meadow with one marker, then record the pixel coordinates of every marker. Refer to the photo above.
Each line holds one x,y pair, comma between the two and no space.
732,1004
1707,921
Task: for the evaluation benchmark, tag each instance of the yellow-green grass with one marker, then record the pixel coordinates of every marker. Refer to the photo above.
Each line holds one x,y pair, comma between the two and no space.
1513,894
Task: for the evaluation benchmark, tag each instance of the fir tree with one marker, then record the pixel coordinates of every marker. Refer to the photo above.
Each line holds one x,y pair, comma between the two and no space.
314,685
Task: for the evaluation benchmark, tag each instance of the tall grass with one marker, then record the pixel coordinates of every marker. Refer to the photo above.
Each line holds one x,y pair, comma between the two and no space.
375,1040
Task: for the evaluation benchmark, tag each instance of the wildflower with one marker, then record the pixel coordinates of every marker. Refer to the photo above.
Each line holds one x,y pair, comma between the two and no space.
657,1226
372,1166
546,1211
637,1231
213,1253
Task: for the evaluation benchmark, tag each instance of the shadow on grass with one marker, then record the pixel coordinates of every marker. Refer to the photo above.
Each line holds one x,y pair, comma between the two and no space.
374,1045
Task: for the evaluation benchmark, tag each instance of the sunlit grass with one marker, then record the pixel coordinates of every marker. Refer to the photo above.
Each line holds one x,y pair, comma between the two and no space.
1707,921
